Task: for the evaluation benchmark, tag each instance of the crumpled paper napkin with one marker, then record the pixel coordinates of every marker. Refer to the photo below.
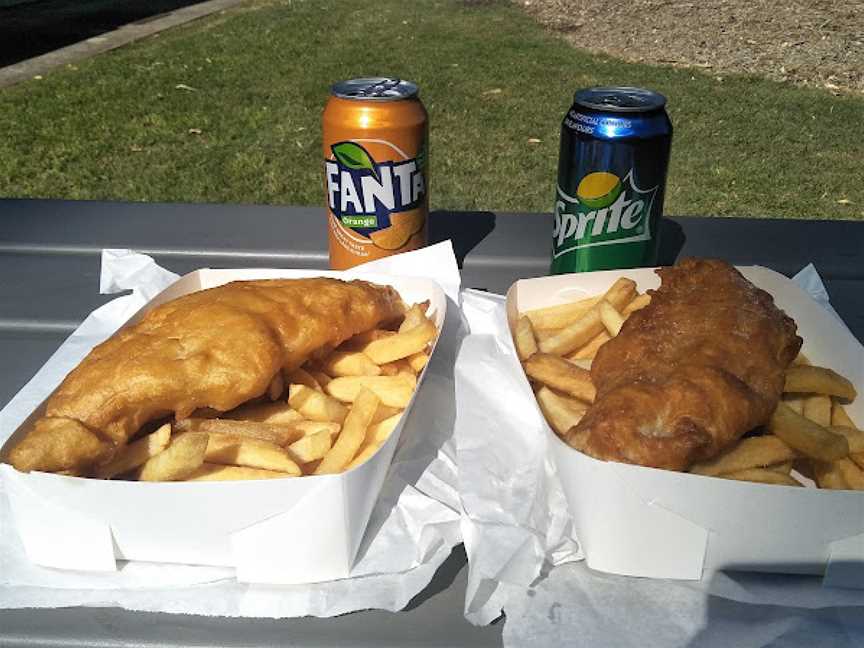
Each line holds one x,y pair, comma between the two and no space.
413,528
524,561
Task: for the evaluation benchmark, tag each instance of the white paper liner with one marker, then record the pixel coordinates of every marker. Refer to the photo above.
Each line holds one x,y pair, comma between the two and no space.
577,606
413,528
516,527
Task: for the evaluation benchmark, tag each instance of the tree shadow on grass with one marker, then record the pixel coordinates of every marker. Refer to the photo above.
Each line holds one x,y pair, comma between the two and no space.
30,28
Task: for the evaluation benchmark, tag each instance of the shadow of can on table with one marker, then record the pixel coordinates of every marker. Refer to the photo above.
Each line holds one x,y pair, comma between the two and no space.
375,170
612,164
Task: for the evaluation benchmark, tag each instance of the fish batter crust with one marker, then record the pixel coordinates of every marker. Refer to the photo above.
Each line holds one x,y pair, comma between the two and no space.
215,348
689,374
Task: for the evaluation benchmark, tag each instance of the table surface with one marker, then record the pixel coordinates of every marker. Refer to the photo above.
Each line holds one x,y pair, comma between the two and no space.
50,262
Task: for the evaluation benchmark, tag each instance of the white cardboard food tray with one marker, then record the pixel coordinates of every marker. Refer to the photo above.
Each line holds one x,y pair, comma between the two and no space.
286,531
640,521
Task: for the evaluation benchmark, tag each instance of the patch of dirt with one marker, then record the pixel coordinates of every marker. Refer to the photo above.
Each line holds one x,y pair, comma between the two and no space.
818,43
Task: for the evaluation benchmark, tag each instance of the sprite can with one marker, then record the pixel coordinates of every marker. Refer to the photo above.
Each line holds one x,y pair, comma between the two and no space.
611,179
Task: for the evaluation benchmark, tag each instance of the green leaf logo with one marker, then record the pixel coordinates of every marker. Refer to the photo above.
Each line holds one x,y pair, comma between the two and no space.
353,156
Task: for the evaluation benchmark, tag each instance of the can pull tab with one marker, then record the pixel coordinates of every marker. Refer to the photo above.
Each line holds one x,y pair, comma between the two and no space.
380,88
619,99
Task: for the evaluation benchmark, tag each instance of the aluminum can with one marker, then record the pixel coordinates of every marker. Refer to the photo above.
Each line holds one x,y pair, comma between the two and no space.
376,180
612,166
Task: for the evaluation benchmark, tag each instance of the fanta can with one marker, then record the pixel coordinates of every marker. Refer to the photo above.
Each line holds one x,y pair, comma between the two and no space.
612,166
376,178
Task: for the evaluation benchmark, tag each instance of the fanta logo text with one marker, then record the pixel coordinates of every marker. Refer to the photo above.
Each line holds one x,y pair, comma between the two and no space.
605,210
357,184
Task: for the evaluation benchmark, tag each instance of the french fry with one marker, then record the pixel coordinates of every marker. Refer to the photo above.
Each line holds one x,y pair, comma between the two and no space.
414,317
393,391
397,367
350,363
316,405
306,428
136,453
277,387
302,377
384,412
762,476
310,447
360,340
795,402
574,336
541,335
851,472
311,467
752,452
638,303
218,472
817,408
177,461
561,374
840,417
610,317
588,351
858,459
620,293
235,450
584,363
818,380
353,432
526,342
827,474
418,361
280,434
401,345
556,317
376,436
275,413
785,467
580,332
363,455
379,432
561,413
320,377
854,437
805,436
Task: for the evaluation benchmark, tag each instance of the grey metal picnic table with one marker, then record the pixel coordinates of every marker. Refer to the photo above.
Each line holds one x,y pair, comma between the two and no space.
49,278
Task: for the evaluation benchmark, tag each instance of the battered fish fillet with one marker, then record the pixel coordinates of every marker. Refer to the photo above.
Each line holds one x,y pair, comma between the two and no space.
215,348
689,374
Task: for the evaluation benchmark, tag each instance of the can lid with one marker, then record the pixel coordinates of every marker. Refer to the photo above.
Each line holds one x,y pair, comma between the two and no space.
619,99
375,89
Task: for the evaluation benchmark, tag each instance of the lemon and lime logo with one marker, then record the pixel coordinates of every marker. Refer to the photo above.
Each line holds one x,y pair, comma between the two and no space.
605,210
599,189
363,192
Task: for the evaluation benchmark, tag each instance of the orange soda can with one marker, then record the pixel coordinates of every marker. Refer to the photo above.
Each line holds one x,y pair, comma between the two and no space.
376,179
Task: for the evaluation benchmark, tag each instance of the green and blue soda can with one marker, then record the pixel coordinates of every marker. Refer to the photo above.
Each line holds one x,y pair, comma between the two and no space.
612,166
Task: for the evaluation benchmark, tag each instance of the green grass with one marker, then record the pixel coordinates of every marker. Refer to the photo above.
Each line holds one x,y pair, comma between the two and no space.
117,126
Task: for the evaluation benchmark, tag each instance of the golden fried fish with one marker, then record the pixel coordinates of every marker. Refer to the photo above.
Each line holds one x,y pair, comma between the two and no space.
215,349
692,372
